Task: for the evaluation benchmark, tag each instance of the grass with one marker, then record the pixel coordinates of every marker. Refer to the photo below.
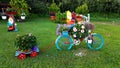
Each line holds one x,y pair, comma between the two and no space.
44,30
104,17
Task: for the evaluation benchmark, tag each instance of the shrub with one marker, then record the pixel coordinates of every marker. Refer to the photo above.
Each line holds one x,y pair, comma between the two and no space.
38,7
61,18
54,8
82,9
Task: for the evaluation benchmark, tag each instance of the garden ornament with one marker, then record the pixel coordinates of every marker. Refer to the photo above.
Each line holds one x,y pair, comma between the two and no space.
69,16
11,24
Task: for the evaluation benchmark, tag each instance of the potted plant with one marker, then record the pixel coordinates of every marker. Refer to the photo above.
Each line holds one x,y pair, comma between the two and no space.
3,15
78,18
26,44
53,9
23,16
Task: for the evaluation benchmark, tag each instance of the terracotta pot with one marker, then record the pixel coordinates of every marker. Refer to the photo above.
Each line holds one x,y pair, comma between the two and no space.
52,18
78,18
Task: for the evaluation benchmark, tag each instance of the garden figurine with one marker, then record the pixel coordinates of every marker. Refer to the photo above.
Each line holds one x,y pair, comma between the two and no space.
11,24
70,19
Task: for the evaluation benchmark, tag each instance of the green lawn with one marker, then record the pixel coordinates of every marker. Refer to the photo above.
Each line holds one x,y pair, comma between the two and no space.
44,30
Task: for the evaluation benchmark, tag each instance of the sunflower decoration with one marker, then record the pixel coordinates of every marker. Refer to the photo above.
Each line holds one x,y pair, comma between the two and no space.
78,31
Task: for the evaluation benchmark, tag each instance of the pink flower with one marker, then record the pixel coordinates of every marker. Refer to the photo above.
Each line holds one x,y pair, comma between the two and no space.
82,31
74,29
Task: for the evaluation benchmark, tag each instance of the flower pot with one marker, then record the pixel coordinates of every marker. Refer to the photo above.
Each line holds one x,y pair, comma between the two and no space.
78,18
4,17
52,18
23,17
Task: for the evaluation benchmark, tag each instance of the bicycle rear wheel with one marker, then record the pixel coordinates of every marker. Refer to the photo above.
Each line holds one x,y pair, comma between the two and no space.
64,42
96,42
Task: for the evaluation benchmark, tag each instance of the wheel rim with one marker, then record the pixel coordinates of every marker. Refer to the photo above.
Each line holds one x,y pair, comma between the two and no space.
97,42
63,43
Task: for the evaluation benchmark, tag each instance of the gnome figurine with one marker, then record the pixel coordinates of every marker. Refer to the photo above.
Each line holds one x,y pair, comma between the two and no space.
11,24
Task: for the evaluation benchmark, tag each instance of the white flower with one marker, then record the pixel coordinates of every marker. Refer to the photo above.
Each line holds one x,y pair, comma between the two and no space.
74,35
82,31
74,29
80,54
83,27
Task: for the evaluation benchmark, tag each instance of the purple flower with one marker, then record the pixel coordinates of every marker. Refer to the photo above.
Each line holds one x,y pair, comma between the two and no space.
89,26
58,29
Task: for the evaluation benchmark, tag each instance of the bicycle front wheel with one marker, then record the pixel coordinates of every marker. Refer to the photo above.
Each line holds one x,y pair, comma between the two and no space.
96,42
64,42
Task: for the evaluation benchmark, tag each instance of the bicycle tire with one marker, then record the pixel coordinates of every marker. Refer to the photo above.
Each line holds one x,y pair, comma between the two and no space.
61,43
97,42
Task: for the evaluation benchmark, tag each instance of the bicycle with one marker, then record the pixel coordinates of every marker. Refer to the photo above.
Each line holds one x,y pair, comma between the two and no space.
65,40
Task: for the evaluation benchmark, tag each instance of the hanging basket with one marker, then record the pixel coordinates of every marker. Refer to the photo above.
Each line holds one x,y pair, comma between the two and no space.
23,17
4,17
